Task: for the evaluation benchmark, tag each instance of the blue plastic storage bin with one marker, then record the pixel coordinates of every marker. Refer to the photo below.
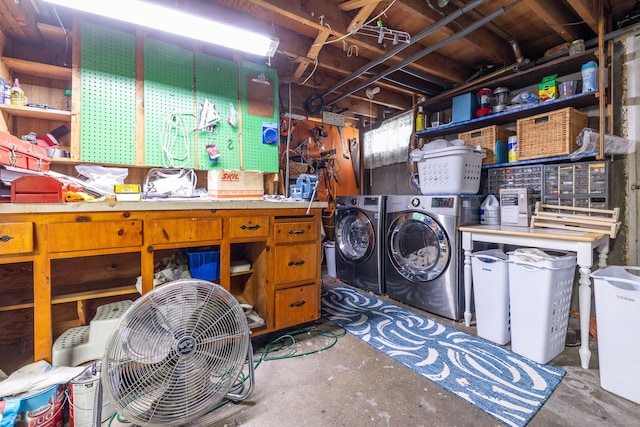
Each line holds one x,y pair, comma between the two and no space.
205,265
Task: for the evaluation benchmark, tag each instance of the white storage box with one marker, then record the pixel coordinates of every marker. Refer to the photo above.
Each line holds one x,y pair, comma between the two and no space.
490,270
617,295
540,288
450,170
235,185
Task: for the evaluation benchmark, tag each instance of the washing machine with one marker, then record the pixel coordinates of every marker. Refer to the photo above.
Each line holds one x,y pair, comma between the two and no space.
359,241
424,259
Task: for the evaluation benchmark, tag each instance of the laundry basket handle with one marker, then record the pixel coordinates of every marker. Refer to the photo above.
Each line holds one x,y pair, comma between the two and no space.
489,257
613,280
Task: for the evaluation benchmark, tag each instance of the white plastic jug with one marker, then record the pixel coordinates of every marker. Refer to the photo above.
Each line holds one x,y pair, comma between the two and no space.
490,210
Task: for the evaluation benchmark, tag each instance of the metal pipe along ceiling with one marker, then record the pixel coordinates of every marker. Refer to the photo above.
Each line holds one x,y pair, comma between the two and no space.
422,53
403,46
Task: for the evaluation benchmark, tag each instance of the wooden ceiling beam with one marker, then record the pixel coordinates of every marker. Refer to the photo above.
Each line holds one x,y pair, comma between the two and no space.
356,4
559,18
483,40
588,11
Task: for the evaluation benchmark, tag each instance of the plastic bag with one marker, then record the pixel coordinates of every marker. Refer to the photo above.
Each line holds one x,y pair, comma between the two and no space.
171,182
103,178
589,141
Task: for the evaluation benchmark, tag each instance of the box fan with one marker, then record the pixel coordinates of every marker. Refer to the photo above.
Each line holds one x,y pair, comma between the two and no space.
175,354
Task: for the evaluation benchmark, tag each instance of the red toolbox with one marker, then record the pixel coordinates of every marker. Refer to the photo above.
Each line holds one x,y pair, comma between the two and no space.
22,154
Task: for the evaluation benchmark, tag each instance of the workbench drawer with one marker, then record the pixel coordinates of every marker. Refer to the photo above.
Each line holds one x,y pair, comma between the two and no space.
183,230
297,305
248,226
82,236
292,232
16,237
296,263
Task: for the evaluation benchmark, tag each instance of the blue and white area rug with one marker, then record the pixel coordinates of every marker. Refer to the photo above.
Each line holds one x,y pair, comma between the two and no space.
505,385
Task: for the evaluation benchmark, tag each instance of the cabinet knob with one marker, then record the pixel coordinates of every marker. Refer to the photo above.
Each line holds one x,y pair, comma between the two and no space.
297,304
292,263
5,238
296,231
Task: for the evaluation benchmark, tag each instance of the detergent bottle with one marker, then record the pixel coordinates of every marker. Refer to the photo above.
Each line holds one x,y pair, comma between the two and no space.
17,95
490,210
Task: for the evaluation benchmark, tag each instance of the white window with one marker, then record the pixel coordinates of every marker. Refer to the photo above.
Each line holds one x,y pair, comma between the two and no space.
388,144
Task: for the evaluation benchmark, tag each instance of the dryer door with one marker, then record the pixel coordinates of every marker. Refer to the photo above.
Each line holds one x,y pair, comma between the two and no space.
419,247
355,236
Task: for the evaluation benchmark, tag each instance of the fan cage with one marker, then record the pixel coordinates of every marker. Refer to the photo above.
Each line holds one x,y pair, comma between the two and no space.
176,353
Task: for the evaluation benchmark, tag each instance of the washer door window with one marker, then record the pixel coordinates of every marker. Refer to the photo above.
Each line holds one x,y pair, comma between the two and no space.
355,237
419,248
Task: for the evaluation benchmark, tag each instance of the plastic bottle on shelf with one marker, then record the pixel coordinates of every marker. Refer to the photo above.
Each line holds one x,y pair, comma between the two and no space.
420,119
67,100
490,210
17,95
512,147
589,77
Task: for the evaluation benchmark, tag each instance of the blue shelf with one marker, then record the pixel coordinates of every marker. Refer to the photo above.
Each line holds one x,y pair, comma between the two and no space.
580,100
543,160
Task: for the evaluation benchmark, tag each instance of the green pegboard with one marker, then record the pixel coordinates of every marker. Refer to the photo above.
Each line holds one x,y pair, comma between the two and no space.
217,82
108,93
168,92
255,154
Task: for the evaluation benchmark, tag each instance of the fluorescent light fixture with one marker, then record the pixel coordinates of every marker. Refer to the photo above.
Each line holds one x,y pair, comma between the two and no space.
176,22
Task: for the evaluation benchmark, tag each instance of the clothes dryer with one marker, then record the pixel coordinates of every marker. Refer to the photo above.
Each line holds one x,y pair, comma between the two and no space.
424,258
359,241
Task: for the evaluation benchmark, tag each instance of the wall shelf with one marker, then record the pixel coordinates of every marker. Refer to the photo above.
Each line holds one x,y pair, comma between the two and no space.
31,68
580,100
36,113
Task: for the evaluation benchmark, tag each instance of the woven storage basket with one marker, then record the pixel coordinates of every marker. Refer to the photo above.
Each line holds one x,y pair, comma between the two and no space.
486,138
550,134
296,169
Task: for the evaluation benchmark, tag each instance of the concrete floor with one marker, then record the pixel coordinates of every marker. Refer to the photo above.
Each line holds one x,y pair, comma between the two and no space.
351,384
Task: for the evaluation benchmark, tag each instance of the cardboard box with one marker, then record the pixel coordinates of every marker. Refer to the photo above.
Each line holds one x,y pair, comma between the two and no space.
515,206
548,89
225,184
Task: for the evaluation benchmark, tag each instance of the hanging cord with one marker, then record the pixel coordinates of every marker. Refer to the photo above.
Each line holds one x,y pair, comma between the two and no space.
175,128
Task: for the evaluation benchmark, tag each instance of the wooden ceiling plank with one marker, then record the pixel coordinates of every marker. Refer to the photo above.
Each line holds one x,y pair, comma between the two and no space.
556,16
22,16
588,11
483,40
356,4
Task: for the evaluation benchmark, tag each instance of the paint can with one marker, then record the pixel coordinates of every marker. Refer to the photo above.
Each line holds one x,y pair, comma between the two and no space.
82,393
42,408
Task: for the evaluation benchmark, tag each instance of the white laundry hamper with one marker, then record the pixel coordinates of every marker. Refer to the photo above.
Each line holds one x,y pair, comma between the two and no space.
490,271
617,295
540,288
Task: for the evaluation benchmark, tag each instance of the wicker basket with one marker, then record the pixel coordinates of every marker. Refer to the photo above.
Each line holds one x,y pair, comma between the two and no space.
296,169
486,138
550,134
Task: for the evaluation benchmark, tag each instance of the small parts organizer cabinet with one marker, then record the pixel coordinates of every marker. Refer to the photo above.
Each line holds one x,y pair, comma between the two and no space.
58,265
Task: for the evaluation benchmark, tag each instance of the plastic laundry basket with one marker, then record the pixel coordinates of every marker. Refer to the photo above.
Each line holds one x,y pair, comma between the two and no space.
540,287
617,295
490,270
